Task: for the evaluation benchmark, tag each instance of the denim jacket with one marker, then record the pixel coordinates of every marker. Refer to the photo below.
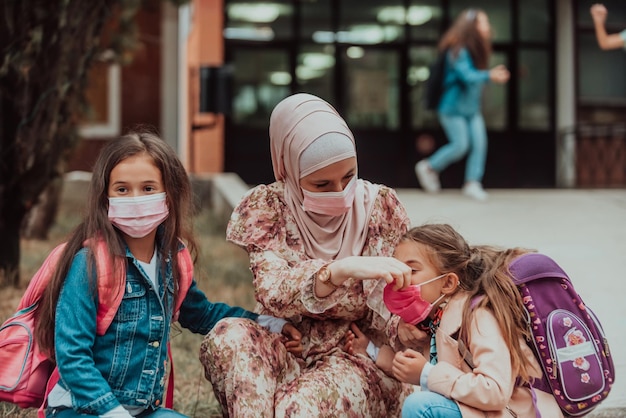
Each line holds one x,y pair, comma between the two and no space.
463,85
127,364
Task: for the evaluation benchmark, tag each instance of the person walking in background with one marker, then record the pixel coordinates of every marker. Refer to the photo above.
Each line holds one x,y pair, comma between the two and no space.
599,14
320,242
138,223
468,48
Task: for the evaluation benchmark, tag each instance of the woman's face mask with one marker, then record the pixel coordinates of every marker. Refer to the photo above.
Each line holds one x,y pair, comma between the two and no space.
330,203
408,303
138,216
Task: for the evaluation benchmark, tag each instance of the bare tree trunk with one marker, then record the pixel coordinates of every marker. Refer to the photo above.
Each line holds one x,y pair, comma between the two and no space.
41,217
11,209
10,252
47,48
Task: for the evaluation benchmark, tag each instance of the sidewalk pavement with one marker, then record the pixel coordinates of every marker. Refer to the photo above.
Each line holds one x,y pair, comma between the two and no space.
582,230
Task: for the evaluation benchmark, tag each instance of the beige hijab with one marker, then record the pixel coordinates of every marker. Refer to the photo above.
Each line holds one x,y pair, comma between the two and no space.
296,122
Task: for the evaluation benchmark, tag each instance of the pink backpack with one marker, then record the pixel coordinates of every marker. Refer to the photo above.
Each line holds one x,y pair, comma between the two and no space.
26,374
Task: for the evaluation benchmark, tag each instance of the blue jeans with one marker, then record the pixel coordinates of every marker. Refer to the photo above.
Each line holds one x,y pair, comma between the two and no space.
429,405
70,413
466,135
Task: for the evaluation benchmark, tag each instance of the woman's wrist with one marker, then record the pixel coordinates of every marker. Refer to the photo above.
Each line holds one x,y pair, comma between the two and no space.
325,276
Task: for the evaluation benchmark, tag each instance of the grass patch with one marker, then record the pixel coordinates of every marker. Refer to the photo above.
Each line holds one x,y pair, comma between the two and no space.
221,272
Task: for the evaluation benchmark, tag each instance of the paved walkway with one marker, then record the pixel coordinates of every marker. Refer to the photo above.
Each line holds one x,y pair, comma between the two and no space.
583,230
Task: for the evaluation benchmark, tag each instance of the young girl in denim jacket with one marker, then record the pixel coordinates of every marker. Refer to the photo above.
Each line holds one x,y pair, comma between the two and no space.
477,362
139,209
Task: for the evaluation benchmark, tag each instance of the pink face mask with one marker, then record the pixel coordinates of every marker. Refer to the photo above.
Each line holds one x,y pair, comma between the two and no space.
408,303
138,216
330,203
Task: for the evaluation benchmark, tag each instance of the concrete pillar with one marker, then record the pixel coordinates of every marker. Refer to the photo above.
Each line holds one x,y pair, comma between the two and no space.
565,94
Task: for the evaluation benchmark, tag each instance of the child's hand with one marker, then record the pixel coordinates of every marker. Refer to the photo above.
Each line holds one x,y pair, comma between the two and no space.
598,13
499,74
407,366
412,337
355,341
292,339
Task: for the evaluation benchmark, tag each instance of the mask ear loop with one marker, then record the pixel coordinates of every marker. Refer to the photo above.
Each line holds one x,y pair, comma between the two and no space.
431,280
435,304
443,296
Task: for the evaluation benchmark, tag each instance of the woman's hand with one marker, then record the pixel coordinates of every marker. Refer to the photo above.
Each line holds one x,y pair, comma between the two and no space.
292,339
407,366
371,268
499,74
412,337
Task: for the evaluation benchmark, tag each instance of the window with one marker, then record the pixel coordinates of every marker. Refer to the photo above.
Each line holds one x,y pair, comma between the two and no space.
533,85
102,117
261,80
600,77
420,59
314,71
259,21
371,21
371,88
425,18
495,98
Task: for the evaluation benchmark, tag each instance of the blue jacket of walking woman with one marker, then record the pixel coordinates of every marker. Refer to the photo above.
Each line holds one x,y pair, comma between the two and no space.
463,85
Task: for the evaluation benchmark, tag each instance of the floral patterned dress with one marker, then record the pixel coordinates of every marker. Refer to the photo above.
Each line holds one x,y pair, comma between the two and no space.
252,373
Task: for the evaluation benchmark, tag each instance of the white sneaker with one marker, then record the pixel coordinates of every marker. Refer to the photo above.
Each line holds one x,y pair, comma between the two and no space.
427,177
475,190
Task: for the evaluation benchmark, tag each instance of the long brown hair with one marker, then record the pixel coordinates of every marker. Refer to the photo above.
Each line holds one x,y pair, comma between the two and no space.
177,226
482,271
464,34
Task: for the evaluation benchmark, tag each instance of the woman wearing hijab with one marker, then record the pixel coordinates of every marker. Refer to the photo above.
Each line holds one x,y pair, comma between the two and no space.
320,242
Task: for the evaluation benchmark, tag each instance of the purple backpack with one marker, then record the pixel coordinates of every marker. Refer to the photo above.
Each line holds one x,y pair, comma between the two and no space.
568,339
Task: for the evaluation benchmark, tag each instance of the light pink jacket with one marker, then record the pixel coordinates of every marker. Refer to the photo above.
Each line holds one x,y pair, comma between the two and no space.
490,388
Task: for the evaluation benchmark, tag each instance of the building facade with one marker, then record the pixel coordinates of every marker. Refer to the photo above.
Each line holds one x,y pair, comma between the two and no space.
369,58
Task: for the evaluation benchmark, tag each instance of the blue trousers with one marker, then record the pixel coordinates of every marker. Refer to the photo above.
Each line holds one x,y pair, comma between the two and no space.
429,405
466,135
70,413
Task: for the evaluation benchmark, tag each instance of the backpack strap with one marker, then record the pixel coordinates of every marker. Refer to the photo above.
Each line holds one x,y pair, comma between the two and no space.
110,286
463,350
185,267
169,395
41,279
469,360
52,381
